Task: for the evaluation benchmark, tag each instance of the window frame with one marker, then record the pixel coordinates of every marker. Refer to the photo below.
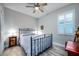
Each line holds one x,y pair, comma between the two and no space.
73,18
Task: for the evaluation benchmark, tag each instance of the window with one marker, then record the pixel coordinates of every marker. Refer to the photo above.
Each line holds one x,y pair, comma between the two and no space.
66,23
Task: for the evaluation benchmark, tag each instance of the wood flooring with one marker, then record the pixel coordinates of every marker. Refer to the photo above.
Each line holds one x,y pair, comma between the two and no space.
54,51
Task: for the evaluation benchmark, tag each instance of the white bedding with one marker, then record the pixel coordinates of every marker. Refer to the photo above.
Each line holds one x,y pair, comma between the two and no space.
25,42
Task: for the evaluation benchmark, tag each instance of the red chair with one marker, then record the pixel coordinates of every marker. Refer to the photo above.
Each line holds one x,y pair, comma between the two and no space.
72,48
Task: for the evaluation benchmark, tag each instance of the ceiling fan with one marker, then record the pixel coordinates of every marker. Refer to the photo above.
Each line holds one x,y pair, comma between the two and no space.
37,6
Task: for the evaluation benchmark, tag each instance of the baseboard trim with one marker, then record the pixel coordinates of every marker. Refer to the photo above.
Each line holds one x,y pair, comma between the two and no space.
58,44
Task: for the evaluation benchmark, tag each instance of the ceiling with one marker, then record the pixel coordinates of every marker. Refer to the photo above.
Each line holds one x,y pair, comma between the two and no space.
20,7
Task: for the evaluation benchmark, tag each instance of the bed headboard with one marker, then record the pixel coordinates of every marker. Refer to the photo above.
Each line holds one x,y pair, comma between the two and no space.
25,31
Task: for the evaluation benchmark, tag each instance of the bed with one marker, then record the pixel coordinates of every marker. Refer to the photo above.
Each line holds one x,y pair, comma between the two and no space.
33,44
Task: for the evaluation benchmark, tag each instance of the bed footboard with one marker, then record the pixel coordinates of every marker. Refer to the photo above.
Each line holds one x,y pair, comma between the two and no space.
40,44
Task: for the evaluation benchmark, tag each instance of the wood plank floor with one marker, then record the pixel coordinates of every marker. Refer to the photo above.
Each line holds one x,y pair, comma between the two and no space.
14,51
55,51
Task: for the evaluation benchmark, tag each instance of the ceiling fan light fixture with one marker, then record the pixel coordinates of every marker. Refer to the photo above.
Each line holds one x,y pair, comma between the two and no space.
36,8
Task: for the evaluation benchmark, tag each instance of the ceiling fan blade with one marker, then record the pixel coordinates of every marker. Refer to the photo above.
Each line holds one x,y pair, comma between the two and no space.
43,4
29,6
41,10
34,11
36,5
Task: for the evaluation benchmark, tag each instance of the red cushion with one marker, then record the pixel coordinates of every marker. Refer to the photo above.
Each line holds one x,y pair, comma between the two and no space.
72,46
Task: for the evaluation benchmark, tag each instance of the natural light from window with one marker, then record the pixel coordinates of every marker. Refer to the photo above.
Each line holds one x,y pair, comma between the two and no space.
66,23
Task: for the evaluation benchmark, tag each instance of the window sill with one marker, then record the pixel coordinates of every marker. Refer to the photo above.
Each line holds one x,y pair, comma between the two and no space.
66,34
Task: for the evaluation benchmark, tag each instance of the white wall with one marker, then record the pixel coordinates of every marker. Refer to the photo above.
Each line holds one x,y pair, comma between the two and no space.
16,20
10,19
50,24
0,30
2,27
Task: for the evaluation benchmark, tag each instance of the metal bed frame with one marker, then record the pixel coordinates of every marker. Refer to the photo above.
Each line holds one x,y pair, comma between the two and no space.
39,44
